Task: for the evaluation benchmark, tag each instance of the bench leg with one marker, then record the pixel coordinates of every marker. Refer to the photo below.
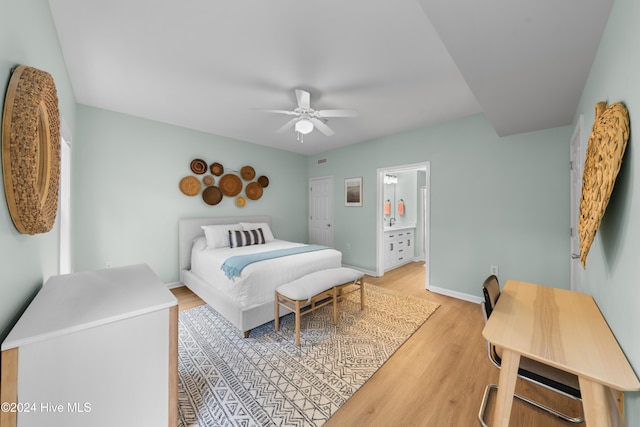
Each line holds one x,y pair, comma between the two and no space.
335,305
276,319
298,323
361,294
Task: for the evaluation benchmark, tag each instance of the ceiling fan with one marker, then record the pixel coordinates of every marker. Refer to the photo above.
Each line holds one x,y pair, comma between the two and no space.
306,118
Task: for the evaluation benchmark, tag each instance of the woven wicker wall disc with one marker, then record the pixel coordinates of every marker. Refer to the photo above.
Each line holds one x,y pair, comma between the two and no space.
248,173
208,180
190,186
603,159
199,166
31,150
217,169
212,195
253,190
230,185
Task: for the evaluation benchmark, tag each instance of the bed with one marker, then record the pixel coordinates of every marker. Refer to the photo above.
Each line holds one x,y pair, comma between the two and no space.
247,300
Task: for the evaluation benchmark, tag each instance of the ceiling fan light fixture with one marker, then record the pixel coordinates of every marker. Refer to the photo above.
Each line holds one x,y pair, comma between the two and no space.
305,119
304,126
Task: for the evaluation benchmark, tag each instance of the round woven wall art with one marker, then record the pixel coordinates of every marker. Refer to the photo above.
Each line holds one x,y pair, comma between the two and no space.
190,185
199,166
208,180
217,169
606,147
253,190
230,185
247,173
212,195
31,150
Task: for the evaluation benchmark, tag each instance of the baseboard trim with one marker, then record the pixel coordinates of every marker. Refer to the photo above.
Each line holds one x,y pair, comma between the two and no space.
365,271
174,285
455,294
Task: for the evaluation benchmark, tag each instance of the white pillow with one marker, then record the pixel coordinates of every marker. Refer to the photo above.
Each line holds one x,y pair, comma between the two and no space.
266,230
218,235
199,244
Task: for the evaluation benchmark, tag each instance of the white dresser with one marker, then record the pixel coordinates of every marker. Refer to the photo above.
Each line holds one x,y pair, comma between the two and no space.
399,246
96,348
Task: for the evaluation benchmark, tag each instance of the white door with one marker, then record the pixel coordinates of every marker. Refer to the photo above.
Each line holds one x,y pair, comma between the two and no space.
321,211
576,194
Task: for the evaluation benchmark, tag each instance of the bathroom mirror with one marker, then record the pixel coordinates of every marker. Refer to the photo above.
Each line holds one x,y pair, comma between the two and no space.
401,197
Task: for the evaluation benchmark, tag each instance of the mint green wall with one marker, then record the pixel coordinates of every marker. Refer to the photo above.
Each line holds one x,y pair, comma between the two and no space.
494,201
612,274
126,201
28,36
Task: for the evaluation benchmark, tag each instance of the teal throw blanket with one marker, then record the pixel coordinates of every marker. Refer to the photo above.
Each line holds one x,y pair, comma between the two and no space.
233,266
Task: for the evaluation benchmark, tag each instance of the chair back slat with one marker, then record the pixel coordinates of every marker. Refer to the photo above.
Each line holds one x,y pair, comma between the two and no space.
491,292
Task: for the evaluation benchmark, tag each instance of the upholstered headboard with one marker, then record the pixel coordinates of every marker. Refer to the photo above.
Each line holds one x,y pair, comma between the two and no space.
190,228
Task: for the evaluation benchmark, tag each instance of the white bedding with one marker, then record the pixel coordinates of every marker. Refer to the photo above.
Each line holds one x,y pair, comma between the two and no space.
258,281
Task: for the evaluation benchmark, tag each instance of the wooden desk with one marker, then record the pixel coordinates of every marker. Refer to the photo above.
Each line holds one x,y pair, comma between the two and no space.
563,329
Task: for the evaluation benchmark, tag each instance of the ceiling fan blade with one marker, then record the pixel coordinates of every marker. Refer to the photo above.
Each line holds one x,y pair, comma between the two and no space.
287,125
288,113
304,98
322,127
337,113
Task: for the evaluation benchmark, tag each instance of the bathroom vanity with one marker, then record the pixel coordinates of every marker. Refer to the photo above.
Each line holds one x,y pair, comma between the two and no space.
399,245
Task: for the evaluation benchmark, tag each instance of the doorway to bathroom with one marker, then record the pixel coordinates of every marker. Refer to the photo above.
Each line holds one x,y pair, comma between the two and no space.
402,217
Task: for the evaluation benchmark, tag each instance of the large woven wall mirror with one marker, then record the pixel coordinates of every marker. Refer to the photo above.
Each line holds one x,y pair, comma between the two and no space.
31,150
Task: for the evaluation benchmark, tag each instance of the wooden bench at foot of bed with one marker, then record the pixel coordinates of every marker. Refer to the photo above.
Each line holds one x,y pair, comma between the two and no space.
324,286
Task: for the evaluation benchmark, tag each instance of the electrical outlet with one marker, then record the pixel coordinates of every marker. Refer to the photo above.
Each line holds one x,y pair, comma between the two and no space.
493,270
347,246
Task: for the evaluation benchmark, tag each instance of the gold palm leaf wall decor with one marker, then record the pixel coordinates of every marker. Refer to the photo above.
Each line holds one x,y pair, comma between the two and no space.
602,162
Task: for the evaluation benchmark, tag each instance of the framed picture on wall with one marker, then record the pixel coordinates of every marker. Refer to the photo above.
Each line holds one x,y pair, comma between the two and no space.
353,191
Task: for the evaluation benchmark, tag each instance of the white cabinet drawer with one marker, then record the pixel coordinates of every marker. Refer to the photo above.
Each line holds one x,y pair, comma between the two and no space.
398,247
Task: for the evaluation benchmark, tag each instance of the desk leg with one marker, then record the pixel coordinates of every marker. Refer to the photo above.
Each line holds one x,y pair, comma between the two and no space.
599,406
506,387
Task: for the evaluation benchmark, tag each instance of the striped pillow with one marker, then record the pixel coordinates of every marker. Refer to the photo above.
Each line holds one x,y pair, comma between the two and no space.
239,238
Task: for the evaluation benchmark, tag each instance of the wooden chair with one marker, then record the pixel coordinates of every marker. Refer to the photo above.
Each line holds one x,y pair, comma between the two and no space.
546,376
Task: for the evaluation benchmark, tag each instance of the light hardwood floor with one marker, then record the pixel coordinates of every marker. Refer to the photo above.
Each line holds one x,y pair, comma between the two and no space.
438,376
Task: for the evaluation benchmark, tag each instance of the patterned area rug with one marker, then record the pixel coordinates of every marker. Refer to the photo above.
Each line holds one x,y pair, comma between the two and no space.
265,380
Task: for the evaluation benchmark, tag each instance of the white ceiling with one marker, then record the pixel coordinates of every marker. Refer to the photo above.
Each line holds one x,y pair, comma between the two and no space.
211,65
